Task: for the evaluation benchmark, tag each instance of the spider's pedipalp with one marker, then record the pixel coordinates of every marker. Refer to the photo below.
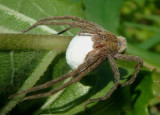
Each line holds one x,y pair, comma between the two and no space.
138,66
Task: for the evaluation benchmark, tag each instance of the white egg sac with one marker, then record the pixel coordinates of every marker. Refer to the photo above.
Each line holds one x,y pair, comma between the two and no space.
78,49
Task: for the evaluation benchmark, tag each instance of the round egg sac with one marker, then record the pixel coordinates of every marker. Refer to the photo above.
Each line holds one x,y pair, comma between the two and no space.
78,49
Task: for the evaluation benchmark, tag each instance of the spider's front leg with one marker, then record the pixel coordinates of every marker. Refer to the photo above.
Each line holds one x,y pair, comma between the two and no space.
116,84
74,24
73,18
138,66
67,17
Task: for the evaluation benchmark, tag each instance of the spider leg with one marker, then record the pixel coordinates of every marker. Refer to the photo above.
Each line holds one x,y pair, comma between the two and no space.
94,62
77,19
116,84
80,33
73,18
86,33
138,66
47,84
63,31
50,83
71,24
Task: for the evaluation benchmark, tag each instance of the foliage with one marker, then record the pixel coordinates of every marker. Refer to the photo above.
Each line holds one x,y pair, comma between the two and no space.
31,59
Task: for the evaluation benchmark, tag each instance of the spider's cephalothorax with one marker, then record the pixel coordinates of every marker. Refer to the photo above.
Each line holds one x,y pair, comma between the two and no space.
109,41
86,51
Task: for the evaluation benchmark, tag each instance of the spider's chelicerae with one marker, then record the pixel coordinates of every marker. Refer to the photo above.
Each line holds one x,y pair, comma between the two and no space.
86,51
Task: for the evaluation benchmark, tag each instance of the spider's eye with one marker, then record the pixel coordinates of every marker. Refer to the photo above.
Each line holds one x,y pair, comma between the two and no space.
103,37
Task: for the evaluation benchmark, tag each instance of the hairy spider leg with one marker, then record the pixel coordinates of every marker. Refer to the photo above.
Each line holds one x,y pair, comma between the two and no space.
63,31
97,28
47,84
79,33
95,62
116,83
77,19
71,24
138,66
86,33
63,77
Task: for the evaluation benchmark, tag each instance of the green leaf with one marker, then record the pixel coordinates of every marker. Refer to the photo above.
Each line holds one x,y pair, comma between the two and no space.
142,26
150,42
141,94
22,68
155,88
18,15
150,17
149,58
130,100
106,12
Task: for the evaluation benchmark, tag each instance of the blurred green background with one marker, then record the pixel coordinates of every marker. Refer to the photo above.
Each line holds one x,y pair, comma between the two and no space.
25,62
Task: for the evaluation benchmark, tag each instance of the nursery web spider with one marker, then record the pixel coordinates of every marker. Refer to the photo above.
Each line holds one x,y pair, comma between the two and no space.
106,46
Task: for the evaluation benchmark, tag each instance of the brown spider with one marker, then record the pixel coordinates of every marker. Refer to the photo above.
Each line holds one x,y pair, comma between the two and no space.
105,46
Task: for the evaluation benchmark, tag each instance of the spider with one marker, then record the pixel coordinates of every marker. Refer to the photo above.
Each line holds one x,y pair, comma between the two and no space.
105,45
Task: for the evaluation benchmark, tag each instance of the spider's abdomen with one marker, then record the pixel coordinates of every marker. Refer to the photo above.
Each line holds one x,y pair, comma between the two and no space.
78,49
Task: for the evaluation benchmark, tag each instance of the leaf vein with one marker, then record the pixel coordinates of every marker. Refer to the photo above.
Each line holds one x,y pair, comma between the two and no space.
24,18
